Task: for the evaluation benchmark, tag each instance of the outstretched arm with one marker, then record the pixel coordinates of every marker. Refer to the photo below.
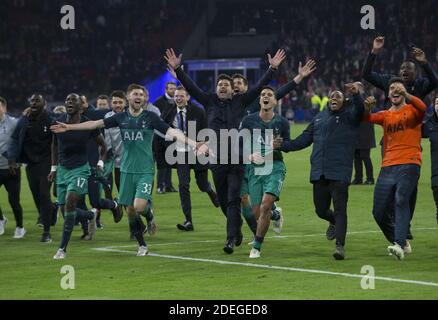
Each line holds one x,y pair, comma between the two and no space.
174,63
303,72
61,127
301,142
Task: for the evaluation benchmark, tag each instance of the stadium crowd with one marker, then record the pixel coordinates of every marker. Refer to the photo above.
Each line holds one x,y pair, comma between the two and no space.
340,58
119,41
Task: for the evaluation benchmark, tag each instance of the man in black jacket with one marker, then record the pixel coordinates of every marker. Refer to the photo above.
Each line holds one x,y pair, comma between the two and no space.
333,133
365,142
31,144
225,111
181,117
165,104
417,86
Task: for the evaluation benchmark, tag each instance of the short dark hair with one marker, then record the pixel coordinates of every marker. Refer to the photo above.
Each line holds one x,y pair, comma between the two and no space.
170,83
269,88
103,97
224,77
395,80
118,94
240,76
3,101
410,60
135,86
181,88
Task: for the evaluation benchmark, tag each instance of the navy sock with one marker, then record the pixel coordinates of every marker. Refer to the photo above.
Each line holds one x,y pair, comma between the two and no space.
84,215
148,214
69,223
250,219
106,204
258,242
275,214
135,226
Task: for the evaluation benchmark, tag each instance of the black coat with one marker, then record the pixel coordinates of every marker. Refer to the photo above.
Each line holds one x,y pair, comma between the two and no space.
334,136
163,104
194,114
41,141
223,114
430,130
367,137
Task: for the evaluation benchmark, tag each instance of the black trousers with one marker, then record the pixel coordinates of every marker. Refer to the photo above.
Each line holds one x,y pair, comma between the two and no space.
94,181
164,178
114,177
117,178
326,191
363,156
13,185
228,182
40,187
201,176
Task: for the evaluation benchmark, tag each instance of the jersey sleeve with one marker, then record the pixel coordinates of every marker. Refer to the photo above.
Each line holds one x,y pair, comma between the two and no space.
113,121
158,123
419,108
376,118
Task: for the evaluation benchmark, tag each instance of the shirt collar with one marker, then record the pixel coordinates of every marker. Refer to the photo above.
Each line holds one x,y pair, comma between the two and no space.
178,110
169,98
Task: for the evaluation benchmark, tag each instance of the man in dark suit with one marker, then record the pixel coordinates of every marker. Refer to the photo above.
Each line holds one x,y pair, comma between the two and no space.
365,142
166,104
179,118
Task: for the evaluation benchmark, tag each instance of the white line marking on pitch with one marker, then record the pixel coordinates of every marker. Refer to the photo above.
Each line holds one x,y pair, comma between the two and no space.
272,237
263,266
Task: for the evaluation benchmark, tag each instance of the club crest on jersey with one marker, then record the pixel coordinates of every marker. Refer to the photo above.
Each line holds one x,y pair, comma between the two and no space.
133,136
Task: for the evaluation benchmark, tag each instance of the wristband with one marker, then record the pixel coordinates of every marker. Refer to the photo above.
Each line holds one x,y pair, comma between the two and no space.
100,164
53,169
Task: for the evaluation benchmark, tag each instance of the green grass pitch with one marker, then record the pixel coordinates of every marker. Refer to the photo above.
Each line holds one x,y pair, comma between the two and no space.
297,265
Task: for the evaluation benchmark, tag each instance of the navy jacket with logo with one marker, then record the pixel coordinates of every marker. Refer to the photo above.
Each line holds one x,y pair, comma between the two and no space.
334,135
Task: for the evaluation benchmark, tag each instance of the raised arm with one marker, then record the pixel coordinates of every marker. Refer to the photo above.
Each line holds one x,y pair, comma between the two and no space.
378,80
303,72
175,63
356,111
430,83
274,63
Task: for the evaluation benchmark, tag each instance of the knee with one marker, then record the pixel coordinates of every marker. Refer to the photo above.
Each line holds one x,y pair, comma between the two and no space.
183,186
401,201
322,213
266,209
379,216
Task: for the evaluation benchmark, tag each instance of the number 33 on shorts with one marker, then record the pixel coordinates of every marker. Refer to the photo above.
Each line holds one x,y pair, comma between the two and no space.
146,188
